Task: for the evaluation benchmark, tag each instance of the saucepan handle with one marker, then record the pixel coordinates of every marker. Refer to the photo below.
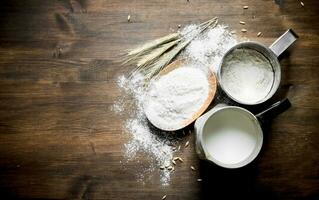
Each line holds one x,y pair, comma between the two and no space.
274,110
283,42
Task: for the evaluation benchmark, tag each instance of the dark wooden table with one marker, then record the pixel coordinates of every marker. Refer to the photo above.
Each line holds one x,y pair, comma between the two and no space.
60,140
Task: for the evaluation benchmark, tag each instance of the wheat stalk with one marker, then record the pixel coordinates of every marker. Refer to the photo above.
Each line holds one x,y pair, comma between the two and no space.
153,44
164,60
153,69
156,53
153,56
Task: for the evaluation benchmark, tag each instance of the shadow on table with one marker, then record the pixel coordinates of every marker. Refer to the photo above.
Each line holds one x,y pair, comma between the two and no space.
220,183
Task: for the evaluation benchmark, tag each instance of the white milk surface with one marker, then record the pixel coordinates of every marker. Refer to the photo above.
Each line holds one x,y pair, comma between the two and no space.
230,136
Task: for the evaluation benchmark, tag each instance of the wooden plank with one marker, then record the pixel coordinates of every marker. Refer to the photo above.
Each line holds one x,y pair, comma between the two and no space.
59,138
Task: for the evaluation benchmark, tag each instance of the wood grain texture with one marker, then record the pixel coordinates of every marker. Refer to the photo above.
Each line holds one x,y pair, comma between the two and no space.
60,140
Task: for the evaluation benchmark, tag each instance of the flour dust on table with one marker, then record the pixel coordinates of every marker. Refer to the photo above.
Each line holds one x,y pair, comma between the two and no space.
208,49
205,53
144,139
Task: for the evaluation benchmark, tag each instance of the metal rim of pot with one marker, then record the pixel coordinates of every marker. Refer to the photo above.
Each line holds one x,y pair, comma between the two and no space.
258,120
271,53
257,147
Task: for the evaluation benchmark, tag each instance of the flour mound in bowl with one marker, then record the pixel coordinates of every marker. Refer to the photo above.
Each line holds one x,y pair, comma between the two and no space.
174,98
247,75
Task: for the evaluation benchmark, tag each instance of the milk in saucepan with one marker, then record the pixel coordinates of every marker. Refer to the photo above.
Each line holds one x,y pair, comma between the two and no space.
230,136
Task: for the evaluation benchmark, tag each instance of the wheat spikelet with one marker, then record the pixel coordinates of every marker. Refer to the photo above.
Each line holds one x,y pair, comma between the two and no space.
153,44
154,68
156,53
153,56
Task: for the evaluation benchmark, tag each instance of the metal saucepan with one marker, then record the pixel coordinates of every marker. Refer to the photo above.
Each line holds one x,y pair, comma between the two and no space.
272,53
231,136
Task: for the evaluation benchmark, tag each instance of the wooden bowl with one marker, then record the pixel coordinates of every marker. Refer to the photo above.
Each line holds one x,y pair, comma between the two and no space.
211,94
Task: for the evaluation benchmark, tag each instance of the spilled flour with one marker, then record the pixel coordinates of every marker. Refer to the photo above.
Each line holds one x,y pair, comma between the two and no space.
208,49
145,140
175,97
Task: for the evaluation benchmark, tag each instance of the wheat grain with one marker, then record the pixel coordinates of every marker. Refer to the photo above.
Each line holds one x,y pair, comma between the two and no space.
186,144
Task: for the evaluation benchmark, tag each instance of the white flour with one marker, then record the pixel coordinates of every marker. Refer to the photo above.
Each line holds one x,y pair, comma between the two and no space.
143,139
247,75
206,51
175,97
209,48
